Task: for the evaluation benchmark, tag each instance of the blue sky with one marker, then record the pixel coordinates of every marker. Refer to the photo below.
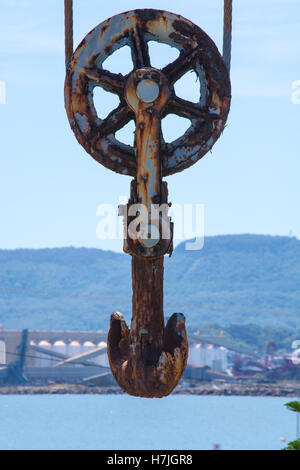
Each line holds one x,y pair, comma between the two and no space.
50,187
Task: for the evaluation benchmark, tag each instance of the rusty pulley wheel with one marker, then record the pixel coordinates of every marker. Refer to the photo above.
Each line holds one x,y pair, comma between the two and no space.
135,29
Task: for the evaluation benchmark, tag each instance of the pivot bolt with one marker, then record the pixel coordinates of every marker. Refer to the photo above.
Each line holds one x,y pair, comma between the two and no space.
147,90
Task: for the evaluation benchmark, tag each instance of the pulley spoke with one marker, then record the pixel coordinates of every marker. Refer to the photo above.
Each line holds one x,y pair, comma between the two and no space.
181,65
189,110
139,49
116,119
112,82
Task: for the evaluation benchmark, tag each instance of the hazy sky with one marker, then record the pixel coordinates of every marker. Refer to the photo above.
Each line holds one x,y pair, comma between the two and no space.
51,188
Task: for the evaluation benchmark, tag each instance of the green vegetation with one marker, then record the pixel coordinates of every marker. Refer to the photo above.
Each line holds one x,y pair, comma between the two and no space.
235,281
293,445
293,406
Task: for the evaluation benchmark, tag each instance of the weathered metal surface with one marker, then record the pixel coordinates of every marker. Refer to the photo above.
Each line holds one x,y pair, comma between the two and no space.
148,360
147,187
148,133
135,29
132,245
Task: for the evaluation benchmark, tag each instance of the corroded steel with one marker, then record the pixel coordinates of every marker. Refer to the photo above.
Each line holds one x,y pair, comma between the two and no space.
148,359
135,29
133,246
147,187
148,133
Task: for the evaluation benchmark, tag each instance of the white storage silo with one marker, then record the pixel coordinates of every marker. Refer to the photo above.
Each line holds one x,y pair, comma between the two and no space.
217,363
203,354
88,346
33,354
74,348
223,357
44,360
194,354
209,355
60,347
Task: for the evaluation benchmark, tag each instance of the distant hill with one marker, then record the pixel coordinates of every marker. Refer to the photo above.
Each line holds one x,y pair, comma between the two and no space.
237,279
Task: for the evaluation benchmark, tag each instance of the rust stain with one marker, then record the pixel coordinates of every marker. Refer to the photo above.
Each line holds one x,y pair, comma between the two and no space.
196,49
147,359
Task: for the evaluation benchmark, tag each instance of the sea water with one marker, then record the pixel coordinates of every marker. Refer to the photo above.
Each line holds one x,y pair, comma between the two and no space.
177,422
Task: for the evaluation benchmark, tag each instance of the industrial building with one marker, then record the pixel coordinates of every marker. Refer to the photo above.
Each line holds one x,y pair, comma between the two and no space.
42,356
209,355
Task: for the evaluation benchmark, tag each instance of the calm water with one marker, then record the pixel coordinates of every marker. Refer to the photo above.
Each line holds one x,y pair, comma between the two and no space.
125,422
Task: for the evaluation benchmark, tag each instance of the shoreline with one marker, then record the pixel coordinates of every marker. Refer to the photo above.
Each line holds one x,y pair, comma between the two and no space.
205,388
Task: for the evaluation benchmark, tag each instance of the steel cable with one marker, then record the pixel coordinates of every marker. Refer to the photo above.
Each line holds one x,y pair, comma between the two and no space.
68,31
227,33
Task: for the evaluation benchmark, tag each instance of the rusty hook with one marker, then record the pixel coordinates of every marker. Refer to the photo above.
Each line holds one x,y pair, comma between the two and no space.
148,360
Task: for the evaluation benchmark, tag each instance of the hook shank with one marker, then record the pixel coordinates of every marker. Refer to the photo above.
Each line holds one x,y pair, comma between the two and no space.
148,360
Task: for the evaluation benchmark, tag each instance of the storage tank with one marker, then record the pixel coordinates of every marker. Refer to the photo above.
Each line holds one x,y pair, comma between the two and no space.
209,355
44,360
219,362
74,348
203,354
224,358
88,346
32,360
60,347
194,354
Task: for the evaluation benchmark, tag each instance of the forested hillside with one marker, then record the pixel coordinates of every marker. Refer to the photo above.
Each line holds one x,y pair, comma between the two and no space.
234,279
